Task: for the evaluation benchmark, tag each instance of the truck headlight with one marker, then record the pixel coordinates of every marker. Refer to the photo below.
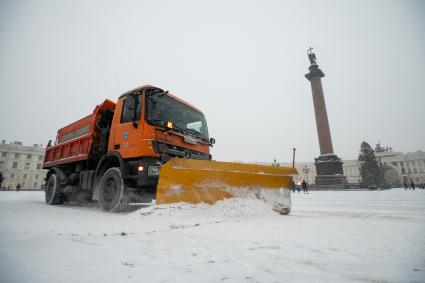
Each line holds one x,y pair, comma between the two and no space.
153,170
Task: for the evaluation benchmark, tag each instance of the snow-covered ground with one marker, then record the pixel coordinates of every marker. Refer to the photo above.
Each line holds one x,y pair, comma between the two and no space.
366,236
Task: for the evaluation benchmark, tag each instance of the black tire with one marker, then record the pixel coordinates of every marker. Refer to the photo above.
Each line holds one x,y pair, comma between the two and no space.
112,193
52,191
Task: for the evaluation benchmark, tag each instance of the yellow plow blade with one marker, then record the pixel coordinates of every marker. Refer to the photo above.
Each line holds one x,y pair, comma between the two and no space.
195,181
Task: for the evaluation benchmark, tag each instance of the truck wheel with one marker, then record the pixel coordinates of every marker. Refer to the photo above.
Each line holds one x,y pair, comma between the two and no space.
52,191
112,194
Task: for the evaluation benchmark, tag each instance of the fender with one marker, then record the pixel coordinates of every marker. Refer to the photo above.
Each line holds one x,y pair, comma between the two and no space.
110,159
59,173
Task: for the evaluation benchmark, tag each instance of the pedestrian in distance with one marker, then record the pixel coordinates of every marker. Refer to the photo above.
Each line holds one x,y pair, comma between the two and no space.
405,185
298,188
1,180
304,185
18,187
412,185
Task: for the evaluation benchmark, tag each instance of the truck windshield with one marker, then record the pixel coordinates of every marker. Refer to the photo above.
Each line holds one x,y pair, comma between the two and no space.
162,107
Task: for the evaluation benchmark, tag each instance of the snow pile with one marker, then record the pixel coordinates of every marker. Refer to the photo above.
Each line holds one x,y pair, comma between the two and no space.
278,199
242,207
231,208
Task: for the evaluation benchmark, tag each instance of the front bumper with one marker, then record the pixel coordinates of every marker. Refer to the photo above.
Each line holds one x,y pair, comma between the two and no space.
143,173
149,176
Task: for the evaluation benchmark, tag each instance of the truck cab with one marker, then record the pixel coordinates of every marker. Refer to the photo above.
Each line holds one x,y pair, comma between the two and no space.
150,126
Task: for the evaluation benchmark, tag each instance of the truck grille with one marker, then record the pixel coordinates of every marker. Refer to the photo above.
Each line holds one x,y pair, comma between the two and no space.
177,151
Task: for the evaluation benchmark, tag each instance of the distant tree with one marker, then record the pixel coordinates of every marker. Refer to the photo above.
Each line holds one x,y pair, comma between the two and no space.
370,169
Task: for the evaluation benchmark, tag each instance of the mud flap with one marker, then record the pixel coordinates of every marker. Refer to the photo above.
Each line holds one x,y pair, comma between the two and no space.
195,181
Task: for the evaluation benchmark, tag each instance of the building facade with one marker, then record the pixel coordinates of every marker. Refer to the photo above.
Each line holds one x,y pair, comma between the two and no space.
404,167
21,164
352,171
398,167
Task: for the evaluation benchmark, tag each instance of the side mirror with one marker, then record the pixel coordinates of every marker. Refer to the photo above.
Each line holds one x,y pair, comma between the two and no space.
212,141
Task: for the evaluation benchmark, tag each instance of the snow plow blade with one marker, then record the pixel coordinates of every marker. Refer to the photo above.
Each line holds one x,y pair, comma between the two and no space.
195,181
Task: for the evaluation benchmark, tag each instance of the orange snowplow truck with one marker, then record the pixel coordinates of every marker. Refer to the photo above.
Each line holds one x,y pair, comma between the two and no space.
151,144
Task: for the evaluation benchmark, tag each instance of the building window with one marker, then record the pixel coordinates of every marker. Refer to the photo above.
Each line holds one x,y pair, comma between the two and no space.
413,166
2,164
15,165
24,177
418,165
27,165
23,184
40,157
17,155
3,154
38,166
29,156
35,185
36,177
12,176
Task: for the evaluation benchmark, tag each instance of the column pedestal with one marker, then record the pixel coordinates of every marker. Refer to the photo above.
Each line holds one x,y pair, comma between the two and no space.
329,171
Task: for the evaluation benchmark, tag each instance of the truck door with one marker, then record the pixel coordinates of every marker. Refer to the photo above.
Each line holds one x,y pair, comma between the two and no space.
127,134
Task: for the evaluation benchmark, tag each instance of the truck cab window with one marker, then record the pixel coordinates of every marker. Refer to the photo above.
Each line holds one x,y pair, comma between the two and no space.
138,107
131,109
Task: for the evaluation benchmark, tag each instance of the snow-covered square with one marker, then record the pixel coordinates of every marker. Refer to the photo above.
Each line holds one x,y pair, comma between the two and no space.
353,236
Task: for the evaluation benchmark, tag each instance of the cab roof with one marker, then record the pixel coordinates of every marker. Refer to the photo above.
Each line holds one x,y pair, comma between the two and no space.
141,88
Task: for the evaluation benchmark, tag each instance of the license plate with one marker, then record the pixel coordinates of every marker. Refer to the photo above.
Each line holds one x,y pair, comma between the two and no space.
153,170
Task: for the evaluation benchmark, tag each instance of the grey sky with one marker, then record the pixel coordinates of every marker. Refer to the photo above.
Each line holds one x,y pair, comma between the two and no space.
241,62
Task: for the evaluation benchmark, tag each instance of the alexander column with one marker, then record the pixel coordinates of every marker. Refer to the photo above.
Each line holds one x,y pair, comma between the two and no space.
328,165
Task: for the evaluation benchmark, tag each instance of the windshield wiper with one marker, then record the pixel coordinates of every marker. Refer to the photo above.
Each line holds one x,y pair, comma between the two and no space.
190,131
193,131
157,122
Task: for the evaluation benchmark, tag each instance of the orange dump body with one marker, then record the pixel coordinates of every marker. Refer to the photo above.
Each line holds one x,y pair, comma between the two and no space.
75,141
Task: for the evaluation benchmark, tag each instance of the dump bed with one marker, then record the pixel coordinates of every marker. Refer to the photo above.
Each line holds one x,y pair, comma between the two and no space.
75,141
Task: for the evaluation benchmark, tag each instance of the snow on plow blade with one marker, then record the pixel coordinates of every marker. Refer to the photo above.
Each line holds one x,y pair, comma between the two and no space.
195,181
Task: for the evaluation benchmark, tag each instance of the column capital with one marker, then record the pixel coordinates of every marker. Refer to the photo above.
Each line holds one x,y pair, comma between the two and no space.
314,71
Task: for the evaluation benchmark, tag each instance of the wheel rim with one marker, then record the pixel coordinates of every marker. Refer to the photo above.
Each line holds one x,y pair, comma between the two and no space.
110,189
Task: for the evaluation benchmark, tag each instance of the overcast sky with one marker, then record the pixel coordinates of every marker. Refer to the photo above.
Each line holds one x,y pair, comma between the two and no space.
241,62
